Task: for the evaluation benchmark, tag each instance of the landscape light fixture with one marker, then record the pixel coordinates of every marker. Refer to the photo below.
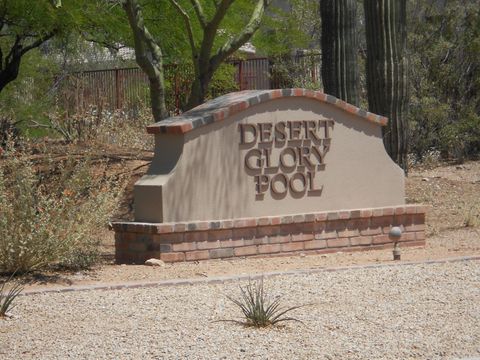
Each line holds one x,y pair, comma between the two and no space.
395,234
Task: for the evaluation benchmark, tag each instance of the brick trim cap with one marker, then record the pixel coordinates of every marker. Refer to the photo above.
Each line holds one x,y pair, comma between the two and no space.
224,106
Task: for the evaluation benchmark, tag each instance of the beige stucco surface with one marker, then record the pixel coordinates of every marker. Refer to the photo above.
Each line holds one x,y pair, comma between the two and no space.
201,175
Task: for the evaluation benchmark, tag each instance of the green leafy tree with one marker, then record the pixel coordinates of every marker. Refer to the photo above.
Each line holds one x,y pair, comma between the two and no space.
287,28
205,32
207,57
24,26
37,48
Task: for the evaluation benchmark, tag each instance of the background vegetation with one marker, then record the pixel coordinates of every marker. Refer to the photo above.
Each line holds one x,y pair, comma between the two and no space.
49,218
444,55
443,59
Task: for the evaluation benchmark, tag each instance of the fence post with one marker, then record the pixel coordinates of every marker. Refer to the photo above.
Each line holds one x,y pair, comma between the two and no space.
177,89
117,89
271,75
240,73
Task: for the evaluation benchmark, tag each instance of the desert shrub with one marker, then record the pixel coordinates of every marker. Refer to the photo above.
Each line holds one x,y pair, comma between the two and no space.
472,216
103,126
52,217
126,130
434,128
302,71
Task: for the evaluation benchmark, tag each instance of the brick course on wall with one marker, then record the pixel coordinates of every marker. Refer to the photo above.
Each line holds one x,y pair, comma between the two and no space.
316,233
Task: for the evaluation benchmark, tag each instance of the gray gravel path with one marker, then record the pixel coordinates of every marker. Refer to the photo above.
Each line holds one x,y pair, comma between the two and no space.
429,311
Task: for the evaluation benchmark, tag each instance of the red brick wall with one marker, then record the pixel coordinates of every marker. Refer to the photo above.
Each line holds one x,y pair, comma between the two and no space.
349,230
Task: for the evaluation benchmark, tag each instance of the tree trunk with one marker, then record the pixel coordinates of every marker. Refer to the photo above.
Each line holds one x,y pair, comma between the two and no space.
10,72
339,49
197,96
199,89
10,66
149,57
157,96
387,81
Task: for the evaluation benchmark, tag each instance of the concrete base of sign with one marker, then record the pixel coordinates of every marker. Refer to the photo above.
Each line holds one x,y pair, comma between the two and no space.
313,233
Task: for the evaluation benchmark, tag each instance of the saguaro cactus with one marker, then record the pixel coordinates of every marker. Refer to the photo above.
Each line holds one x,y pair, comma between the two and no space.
339,49
387,72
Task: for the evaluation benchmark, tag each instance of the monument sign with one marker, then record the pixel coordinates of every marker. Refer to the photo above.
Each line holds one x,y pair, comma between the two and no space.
267,172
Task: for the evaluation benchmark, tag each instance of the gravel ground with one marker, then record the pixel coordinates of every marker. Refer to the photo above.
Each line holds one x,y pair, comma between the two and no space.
447,244
426,311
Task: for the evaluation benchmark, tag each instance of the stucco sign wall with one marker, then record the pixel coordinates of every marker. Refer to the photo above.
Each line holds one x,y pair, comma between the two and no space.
263,173
265,153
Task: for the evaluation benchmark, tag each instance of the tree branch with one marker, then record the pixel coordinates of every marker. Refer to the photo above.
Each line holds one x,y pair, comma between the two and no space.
104,43
38,42
57,4
210,32
13,50
55,127
143,40
200,13
188,26
220,12
237,41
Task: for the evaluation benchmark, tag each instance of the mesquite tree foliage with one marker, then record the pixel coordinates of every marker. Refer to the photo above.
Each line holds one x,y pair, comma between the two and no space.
27,26
205,56
24,26
339,49
387,72
207,31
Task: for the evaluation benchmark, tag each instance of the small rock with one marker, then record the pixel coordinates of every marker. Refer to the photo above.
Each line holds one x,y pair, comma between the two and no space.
155,262
425,179
302,255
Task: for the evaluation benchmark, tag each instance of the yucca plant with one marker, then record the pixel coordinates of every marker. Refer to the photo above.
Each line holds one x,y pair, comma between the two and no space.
8,294
258,309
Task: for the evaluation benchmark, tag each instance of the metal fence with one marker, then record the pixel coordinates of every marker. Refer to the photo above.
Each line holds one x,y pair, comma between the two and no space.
128,88
103,89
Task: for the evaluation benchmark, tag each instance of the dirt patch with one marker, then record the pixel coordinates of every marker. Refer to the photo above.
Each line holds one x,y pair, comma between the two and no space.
453,191
448,244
